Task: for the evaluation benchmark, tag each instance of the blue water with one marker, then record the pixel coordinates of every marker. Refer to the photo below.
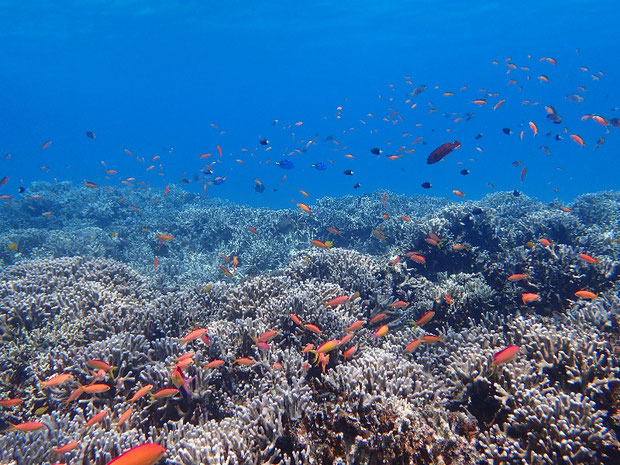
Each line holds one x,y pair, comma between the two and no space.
152,76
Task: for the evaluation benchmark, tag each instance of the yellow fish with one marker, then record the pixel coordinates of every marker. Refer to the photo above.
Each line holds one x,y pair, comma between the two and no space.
12,246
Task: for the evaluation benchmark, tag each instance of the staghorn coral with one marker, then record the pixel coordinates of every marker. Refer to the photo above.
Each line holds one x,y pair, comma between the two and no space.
443,403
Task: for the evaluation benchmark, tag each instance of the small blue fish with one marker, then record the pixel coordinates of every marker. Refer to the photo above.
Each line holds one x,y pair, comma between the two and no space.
320,166
286,164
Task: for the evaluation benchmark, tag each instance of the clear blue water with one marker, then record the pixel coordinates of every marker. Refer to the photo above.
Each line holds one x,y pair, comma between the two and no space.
152,75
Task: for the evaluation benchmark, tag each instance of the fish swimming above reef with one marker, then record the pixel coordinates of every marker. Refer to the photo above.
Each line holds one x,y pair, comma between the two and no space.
286,164
320,166
441,151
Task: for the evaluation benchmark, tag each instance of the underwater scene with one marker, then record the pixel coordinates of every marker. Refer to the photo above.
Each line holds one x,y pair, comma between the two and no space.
292,232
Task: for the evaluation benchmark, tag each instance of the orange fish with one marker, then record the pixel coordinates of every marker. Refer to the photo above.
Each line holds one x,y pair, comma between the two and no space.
46,144
577,139
146,454
399,304
517,277
382,331
586,295
96,419
253,229
8,403
377,317
349,352
95,388
28,426
167,189
195,334
164,393
413,345
156,262
359,324
267,335
100,365
215,363
304,207
246,361
337,301
92,185
296,319
448,299
321,244
313,328
226,271
219,149
418,258
499,104
164,237
545,242
124,417
308,348
66,448
528,297
144,390
346,338
588,258
431,339
405,218
57,380
383,199
428,316
458,193
533,128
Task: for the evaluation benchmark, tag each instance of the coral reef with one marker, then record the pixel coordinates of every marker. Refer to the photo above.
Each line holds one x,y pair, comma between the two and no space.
444,402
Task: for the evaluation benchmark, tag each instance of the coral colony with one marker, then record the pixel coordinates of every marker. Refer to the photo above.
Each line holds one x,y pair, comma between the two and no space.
414,331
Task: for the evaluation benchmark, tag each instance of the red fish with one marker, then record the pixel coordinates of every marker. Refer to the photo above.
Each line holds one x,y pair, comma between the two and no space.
441,151
506,355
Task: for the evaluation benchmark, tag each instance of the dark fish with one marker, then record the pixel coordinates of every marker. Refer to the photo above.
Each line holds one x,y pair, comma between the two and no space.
426,185
348,172
184,180
574,98
286,164
207,170
375,151
90,134
328,138
479,136
21,189
4,180
507,131
357,186
469,116
517,163
418,90
442,151
599,142
259,187
615,122
219,180
263,141
558,137
554,118
545,149
285,225
477,211
320,166
274,122
464,172
516,193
